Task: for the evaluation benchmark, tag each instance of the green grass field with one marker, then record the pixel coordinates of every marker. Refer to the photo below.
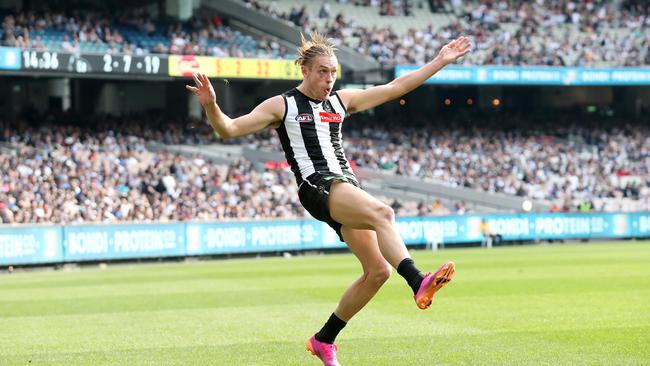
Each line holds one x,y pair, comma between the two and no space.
571,304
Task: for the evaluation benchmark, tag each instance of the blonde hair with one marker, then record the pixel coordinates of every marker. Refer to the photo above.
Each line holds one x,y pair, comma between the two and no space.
318,46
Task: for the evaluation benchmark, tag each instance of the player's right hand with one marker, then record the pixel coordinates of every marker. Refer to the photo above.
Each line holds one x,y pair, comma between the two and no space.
455,50
203,89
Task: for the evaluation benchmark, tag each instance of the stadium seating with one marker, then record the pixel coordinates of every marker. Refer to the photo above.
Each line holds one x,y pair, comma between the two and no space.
563,163
505,33
561,33
420,19
69,174
21,30
167,186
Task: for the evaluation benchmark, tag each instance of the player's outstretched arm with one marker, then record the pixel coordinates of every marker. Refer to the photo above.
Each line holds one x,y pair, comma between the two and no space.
269,112
359,100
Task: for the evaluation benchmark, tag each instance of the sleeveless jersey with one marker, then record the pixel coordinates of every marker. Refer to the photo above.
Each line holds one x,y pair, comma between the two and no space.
310,134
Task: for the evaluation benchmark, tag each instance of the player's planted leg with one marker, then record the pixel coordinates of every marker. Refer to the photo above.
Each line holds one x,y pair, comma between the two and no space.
325,351
363,243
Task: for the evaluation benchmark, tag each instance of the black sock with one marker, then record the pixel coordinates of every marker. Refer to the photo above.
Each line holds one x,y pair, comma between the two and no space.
411,274
330,330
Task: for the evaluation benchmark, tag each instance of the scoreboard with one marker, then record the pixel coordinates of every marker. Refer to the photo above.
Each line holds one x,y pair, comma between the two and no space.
33,62
62,62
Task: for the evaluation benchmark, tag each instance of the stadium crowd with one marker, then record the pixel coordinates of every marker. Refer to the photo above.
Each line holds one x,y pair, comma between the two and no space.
507,32
132,32
299,15
604,163
68,175
606,166
64,173
59,173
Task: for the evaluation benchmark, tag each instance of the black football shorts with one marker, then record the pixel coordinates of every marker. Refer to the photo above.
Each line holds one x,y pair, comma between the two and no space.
314,192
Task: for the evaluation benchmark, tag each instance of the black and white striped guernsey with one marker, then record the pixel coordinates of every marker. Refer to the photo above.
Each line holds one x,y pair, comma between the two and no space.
310,134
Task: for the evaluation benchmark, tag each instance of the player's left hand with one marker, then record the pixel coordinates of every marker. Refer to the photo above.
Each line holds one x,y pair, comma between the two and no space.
455,49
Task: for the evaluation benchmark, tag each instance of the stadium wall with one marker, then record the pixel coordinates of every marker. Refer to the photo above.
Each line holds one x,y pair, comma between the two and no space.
26,245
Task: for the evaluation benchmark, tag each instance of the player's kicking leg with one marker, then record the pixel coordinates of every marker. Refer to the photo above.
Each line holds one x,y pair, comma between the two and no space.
356,209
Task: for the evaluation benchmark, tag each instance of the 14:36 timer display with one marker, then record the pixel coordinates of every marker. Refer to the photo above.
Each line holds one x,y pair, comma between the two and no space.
86,63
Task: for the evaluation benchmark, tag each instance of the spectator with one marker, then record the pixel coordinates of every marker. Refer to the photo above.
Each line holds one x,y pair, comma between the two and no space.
489,236
324,11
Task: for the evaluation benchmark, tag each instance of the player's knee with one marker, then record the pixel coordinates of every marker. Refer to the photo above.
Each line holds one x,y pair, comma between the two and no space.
381,274
384,214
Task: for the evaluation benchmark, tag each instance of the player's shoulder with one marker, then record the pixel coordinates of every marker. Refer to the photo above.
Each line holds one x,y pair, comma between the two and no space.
341,97
281,99
277,105
275,101
346,94
293,92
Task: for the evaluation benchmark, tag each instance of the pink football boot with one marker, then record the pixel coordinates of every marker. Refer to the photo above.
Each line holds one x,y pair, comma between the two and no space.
432,283
325,351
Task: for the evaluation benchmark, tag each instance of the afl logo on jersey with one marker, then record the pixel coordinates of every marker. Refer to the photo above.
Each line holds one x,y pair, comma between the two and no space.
305,117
